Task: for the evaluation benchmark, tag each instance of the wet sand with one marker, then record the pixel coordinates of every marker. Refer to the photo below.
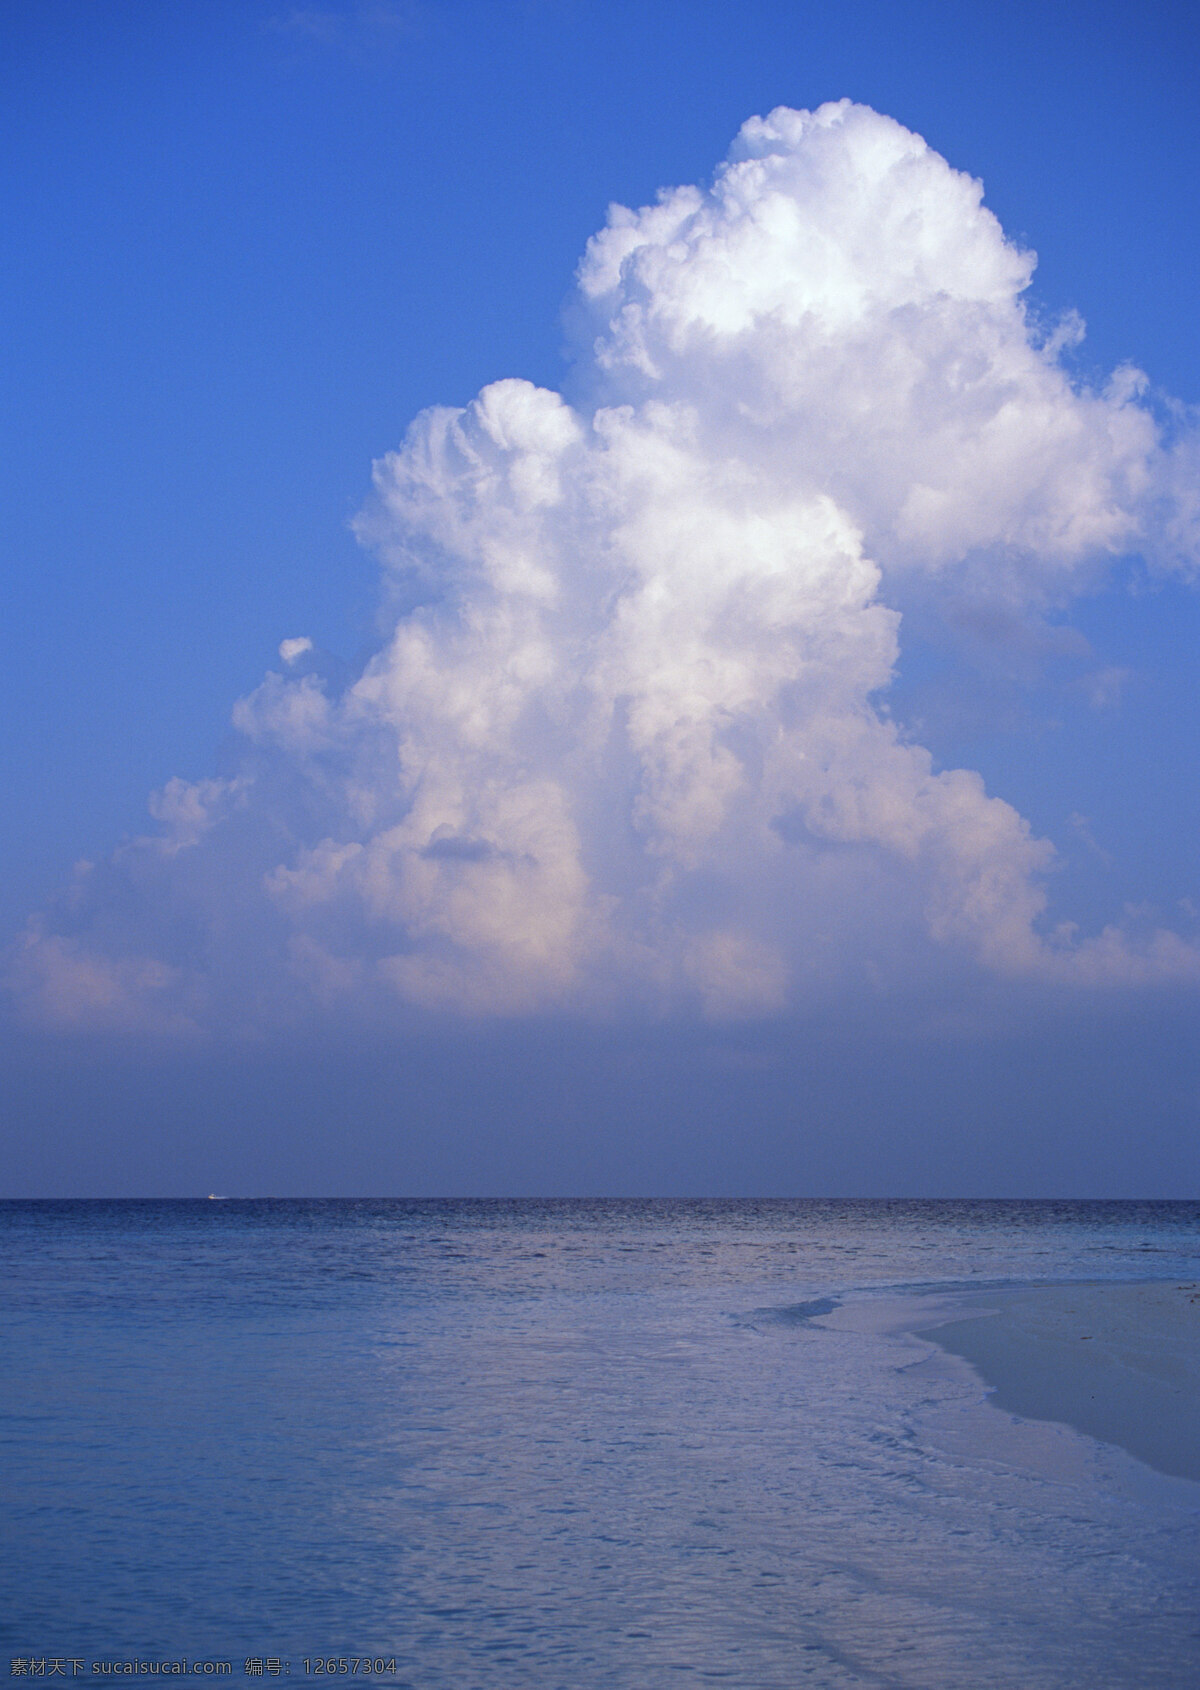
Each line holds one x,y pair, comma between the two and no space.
1119,1362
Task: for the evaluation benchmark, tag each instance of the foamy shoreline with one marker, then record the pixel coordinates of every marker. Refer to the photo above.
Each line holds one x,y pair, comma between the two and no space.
1117,1361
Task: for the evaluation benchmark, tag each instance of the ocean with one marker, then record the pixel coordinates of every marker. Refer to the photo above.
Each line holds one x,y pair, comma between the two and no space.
571,1446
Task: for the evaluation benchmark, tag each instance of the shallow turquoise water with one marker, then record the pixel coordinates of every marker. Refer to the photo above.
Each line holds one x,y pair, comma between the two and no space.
576,1445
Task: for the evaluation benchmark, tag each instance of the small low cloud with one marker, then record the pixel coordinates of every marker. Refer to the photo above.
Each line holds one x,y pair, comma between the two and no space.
632,753
1104,688
1083,828
360,31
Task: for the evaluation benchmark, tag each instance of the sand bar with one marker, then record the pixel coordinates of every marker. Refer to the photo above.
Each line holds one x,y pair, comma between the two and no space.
1119,1362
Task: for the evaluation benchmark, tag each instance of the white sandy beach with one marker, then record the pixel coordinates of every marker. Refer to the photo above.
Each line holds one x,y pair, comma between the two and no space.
1117,1361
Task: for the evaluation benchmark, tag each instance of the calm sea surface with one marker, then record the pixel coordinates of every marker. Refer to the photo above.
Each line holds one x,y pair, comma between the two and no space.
567,1446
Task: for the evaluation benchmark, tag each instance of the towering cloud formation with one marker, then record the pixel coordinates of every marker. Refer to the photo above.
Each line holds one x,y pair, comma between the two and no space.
628,748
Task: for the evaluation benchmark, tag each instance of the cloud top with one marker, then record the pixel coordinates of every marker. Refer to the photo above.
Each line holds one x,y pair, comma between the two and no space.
632,748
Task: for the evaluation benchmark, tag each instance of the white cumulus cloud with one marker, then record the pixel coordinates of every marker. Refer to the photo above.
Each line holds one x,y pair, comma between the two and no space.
631,750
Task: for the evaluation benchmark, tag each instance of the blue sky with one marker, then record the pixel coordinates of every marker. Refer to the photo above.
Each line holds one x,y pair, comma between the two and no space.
247,244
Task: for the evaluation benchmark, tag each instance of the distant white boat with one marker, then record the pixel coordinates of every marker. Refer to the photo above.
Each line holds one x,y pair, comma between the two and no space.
216,1197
